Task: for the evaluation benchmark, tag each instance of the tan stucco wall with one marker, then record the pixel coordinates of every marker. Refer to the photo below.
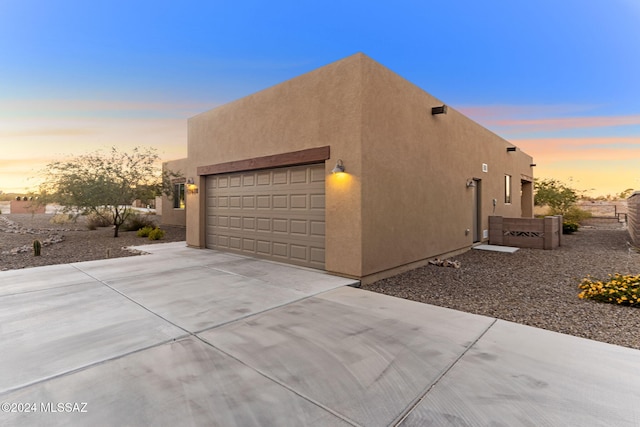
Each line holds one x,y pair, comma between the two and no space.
415,166
404,197
317,109
25,206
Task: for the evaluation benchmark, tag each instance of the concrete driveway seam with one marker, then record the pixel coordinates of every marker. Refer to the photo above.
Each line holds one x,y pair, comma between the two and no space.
259,312
281,384
102,282
30,291
444,372
9,391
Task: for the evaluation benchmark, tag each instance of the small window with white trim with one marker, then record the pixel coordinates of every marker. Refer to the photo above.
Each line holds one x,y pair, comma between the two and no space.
507,189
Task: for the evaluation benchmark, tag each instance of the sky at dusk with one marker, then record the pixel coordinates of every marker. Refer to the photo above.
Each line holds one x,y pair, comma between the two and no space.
559,79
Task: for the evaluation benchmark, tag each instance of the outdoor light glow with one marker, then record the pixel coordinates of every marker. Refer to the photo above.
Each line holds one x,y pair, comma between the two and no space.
192,189
340,180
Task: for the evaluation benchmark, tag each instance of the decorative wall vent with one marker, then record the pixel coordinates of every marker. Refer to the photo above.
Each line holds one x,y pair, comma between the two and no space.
523,233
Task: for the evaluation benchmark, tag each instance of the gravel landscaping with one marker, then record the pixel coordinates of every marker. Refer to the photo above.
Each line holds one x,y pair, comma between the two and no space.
71,241
532,287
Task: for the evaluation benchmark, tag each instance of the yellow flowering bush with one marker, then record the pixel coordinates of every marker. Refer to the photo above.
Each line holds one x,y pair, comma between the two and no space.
619,289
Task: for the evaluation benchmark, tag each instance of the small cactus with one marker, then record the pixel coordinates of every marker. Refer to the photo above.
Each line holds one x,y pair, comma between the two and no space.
37,247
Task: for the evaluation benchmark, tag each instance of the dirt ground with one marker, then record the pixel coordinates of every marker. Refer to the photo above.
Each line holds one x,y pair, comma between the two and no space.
71,241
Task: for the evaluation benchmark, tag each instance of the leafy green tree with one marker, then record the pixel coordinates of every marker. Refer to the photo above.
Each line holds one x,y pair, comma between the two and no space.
555,194
103,183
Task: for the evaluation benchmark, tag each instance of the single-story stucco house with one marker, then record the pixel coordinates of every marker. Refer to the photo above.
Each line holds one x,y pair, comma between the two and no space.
263,174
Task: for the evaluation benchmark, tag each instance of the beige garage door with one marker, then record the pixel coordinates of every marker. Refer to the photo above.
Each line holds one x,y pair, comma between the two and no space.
274,213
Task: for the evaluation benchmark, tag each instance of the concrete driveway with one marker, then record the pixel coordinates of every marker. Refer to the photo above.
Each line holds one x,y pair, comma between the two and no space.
198,337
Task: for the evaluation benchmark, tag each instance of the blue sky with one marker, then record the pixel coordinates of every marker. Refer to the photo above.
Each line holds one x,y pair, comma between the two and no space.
560,79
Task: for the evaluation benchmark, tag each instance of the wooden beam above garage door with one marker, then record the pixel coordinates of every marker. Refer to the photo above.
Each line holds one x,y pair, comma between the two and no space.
311,155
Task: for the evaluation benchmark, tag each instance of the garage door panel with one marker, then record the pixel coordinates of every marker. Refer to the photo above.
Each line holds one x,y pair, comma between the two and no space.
263,247
298,252
317,175
317,255
317,228
280,177
298,227
299,176
276,214
248,202
249,223
280,201
235,202
298,201
280,225
249,180
264,224
235,242
263,178
263,202
316,201
249,245
235,222
280,250
222,241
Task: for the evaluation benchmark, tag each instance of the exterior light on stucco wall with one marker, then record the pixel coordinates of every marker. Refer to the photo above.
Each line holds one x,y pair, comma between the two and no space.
339,167
471,183
511,149
192,188
439,110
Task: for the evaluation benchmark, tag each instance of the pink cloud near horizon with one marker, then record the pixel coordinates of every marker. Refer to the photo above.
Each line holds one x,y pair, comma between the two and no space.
534,118
594,148
561,123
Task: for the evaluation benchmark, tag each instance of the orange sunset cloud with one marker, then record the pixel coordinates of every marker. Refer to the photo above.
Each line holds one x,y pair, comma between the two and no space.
599,164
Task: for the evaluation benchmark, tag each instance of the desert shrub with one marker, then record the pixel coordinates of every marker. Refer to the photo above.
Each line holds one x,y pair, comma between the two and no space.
104,219
577,215
571,218
137,222
144,231
156,234
618,289
569,227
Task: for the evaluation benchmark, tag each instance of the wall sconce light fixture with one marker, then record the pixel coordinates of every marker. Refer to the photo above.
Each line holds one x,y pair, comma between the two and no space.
511,149
339,167
439,110
471,183
192,188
